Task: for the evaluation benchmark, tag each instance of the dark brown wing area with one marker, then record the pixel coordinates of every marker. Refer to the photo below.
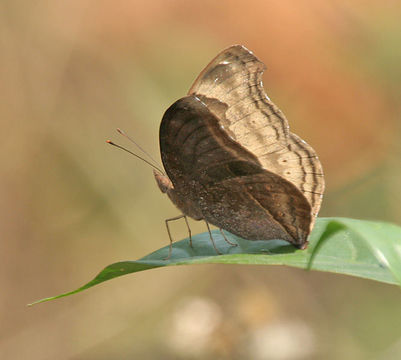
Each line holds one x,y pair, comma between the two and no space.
225,181
194,146
258,207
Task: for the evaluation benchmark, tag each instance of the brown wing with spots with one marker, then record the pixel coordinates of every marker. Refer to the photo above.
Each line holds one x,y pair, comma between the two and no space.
225,182
231,87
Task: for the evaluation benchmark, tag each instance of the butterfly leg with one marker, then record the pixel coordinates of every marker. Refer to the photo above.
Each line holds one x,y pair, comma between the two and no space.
169,233
211,238
189,231
227,241
170,250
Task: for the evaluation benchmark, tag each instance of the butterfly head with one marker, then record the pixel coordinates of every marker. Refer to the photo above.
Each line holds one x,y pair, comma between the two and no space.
163,181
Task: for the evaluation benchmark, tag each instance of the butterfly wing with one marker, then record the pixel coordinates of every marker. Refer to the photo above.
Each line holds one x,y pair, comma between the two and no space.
231,86
226,182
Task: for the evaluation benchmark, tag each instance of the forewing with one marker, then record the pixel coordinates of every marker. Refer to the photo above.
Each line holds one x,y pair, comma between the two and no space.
195,148
231,86
234,78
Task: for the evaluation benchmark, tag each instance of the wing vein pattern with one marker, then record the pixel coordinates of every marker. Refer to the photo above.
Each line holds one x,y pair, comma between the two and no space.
231,87
223,182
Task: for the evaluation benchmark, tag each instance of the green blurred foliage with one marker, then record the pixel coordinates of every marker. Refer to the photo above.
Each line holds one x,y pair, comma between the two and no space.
71,72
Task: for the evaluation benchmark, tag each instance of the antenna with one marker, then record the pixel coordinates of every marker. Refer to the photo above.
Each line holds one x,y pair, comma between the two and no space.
139,157
121,132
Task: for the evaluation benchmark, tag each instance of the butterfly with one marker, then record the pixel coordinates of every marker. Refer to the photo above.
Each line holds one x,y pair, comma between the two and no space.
231,160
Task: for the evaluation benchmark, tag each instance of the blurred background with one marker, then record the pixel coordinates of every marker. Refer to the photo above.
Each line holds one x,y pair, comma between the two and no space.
73,71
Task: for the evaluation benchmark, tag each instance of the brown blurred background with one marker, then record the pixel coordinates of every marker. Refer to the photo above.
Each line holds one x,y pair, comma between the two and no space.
73,71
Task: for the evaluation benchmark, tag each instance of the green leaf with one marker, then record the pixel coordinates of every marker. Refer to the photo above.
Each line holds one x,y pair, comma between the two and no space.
366,249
